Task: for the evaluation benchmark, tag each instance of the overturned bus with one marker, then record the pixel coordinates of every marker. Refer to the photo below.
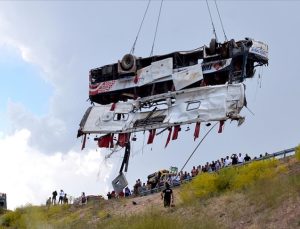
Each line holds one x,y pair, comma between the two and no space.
133,77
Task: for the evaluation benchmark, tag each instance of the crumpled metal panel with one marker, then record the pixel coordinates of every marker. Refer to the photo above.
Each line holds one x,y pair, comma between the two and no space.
162,68
161,71
187,76
158,71
202,104
119,183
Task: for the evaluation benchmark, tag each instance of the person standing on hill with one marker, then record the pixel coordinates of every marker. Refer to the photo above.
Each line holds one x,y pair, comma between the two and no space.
240,158
61,197
247,158
66,201
83,198
48,202
54,194
109,195
167,195
226,161
127,192
234,159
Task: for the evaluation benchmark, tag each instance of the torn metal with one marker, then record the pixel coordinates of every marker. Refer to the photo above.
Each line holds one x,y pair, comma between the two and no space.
119,183
160,93
218,64
201,104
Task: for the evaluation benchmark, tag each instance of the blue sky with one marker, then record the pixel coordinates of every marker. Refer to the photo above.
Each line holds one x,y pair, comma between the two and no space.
22,83
47,49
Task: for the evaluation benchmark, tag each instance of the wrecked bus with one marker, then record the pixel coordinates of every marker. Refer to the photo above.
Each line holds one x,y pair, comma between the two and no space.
133,77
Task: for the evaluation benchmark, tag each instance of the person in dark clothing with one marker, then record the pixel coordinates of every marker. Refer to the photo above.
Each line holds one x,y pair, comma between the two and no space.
109,195
127,192
213,166
54,194
83,198
247,158
48,202
66,200
234,159
167,196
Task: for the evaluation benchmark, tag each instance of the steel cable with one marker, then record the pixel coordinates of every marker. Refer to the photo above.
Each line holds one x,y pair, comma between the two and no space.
151,53
214,30
221,21
196,148
138,33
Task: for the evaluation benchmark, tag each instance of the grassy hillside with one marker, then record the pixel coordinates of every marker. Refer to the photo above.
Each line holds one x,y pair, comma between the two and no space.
263,194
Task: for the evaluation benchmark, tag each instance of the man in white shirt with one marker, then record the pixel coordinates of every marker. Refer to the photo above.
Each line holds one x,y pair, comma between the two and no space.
61,197
226,161
240,158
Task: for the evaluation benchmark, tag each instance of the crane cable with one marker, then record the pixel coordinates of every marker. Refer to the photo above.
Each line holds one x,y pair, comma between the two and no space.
221,21
214,30
196,149
151,53
138,33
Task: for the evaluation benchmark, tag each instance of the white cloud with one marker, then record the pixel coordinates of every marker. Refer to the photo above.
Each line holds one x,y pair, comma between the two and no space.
28,176
48,134
41,42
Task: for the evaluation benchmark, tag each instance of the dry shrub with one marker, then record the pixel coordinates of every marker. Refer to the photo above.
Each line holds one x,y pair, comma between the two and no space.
202,185
187,194
34,217
102,214
9,219
225,178
255,171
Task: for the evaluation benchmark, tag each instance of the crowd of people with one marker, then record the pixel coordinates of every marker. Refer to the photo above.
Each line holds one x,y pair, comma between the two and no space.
126,193
216,165
175,179
63,198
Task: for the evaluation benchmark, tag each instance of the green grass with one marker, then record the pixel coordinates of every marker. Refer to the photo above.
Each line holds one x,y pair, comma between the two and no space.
158,220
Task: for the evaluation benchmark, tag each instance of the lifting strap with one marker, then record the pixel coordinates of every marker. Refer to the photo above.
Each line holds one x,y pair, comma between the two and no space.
197,131
126,158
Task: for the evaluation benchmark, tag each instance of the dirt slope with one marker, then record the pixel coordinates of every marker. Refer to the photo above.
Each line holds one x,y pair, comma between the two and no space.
268,209
142,204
